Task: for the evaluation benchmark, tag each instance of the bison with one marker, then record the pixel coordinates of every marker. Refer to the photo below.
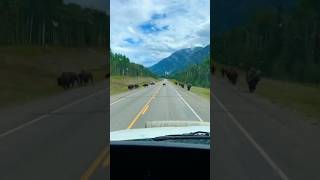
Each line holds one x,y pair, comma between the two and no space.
130,86
189,86
85,77
253,78
145,85
136,86
231,74
68,80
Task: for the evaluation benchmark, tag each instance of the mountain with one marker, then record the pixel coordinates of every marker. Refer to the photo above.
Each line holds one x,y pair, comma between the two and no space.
180,60
196,74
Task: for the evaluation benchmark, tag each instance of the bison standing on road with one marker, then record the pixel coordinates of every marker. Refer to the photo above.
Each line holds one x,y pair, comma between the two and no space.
253,78
189,86
85,77
130,86
231,74
68,80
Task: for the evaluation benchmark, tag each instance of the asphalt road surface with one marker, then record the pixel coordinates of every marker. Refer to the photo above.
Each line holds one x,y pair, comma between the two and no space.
255,139
61,137
156,103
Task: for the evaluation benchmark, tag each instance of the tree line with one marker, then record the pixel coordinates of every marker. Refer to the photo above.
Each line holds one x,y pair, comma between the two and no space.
51,22
121,65
283,43
196,74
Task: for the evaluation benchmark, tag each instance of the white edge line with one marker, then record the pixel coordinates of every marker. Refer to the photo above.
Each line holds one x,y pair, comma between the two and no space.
123,97
46,115
185,102
253,142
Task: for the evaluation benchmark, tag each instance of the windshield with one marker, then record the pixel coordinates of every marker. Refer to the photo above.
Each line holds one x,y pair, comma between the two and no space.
160,77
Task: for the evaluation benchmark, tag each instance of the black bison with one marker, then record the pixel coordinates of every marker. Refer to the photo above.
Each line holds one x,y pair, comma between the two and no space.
253,78
136,86
182,85
175,83
130,86
68,80
85,78
145,85
231,74
164,84
189,86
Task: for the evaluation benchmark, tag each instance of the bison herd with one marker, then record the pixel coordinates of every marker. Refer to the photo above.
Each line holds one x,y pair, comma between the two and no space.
70,79
135,86
252,77
183,84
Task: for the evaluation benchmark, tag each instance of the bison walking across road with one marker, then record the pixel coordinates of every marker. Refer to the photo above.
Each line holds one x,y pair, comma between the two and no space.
67,80
85,78
231,74
189,86
253,78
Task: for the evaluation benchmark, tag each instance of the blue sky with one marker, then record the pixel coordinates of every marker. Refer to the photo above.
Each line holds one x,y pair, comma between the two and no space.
149,30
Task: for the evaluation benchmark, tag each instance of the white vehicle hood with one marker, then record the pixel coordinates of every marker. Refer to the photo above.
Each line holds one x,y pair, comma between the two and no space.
144,133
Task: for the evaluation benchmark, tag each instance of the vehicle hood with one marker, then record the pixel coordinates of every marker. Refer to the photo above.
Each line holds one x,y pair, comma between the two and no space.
145,133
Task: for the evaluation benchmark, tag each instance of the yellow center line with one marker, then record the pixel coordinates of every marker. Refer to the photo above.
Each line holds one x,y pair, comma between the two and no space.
143,110
93,167
104,157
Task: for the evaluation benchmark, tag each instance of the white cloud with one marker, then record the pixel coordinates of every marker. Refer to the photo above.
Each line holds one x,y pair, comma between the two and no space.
161,26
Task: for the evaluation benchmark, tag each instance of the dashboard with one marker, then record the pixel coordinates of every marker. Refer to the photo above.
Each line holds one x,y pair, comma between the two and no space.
159,160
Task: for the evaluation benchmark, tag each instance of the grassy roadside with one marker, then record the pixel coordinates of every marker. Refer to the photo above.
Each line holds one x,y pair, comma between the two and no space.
301,98
27,73
120,84
304,98
203,92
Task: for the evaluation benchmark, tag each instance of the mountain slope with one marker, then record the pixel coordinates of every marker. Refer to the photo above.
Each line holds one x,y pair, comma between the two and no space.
180,60
197,74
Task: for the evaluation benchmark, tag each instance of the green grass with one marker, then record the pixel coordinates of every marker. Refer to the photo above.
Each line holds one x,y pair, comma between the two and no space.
204,92
27,73
304,98
120,84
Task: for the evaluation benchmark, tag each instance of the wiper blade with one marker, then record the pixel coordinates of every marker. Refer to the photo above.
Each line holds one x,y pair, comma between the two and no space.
194,135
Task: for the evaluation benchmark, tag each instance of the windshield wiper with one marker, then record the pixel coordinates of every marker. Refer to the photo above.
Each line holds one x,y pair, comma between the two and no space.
193,135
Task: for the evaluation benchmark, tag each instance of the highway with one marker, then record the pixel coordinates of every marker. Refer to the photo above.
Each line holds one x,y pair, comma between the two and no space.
257,139
156,103
58,137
